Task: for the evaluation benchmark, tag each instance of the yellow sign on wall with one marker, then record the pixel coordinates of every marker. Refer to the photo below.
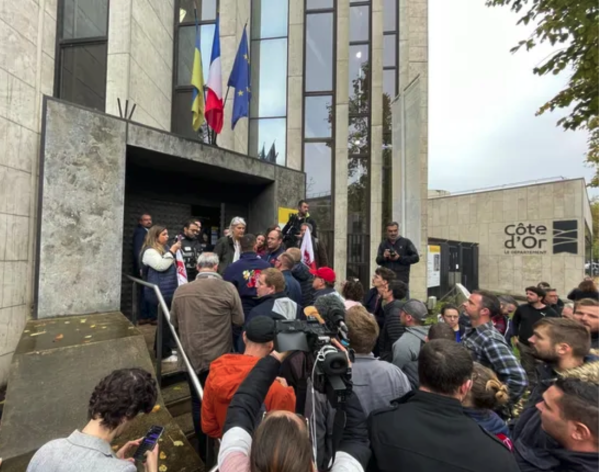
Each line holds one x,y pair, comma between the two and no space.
284,215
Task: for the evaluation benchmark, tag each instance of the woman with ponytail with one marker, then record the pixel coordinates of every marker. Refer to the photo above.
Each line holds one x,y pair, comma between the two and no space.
486,395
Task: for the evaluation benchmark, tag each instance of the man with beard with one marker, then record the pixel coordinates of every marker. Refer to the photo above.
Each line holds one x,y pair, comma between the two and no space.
525,317
586,313
563,345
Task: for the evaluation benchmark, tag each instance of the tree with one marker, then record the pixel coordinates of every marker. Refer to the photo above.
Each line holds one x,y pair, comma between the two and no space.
572,25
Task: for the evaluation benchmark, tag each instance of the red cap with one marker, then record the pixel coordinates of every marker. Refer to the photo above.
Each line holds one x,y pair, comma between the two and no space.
325,273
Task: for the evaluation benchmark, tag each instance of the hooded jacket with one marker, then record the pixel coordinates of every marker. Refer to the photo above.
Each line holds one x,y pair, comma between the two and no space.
536,451
407,348
302,274
392,329
588,372
492,423
278,306
226,375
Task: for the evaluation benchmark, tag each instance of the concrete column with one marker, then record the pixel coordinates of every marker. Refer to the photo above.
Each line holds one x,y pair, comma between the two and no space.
294,90
140,59
376,129
413,53
340,197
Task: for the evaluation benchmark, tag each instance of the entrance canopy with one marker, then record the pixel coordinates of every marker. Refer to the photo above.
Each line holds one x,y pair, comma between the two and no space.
85,157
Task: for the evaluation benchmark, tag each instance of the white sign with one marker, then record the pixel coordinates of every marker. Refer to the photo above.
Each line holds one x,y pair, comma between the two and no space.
434,270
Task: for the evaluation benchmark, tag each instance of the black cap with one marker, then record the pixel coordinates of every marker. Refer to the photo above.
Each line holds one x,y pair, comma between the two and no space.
261,329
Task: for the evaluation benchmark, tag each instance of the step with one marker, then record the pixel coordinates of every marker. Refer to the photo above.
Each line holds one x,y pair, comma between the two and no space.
177,398
186,424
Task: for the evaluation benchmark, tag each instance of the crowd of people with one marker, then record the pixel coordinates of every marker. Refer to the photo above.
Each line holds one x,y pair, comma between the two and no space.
491,385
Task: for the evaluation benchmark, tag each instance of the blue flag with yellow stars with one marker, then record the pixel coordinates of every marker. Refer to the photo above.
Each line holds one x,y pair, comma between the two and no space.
239,79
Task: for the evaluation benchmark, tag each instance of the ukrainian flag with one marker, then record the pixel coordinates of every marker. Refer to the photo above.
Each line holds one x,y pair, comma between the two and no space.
198,84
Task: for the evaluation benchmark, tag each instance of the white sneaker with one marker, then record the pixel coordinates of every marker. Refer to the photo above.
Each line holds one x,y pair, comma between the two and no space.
171,358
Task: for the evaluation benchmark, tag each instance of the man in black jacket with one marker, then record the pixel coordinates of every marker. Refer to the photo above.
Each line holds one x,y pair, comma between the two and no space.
560,434
392,295
397,254
191,247
273,300
291,231
427,430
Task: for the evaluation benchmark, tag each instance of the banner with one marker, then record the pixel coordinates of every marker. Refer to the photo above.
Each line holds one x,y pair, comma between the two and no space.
181,272
284,214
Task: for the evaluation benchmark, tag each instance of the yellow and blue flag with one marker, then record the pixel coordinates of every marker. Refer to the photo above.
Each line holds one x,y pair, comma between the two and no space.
198,84
239,79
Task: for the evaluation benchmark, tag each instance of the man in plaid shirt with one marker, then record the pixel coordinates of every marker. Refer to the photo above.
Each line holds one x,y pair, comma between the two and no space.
488,346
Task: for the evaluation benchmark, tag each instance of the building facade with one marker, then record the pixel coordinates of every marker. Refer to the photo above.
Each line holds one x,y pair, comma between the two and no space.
525,234
323,77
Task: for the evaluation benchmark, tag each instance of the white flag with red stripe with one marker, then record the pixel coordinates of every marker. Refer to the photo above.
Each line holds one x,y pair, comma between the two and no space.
181,272
307,250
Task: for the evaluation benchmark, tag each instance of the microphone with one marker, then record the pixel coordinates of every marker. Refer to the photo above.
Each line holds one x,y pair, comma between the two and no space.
332,311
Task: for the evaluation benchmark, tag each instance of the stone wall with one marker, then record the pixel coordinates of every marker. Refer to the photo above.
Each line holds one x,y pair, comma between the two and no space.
140,59
489,218
27,36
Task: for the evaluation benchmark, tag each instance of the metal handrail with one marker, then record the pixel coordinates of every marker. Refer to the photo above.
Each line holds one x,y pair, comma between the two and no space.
165,311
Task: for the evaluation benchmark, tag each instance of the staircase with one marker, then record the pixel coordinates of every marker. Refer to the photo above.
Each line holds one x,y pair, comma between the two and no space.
175,390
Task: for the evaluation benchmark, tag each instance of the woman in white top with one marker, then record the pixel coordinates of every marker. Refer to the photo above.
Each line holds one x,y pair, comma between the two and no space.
159,267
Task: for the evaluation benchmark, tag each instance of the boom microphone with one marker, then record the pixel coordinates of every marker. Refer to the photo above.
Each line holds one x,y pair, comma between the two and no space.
332,311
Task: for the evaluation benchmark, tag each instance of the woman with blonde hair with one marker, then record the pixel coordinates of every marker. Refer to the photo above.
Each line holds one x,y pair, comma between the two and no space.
159,268
228,247
486,395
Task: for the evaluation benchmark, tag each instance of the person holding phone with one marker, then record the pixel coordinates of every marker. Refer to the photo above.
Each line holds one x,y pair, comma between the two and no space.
397,254
116,401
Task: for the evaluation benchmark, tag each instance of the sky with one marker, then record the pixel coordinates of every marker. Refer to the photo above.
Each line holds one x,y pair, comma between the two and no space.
483,130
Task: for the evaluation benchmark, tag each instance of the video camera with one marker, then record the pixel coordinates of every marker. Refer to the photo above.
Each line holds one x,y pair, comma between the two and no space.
332,372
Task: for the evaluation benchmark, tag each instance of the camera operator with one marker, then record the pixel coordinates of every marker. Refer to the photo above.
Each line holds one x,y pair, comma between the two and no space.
291,231
397,254
281,442
191,247
115,403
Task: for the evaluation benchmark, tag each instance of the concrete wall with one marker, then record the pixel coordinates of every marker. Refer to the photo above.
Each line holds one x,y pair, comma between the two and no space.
484,217
140,59
27,36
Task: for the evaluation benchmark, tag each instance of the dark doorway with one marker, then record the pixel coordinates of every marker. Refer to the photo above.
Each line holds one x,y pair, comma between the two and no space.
173,190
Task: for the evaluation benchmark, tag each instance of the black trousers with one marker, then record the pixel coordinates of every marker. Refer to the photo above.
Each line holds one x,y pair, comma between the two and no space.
168,342
197,416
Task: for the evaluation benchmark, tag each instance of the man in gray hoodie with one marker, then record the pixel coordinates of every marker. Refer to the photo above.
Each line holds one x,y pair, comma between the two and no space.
407,348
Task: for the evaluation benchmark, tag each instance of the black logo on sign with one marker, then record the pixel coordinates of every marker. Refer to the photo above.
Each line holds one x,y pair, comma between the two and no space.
564,237
525,239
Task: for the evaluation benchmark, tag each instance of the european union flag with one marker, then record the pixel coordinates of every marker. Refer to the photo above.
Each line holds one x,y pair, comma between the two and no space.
239,79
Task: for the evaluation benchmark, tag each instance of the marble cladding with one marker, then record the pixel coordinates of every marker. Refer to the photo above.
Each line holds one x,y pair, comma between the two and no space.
83,191
27,35
483,217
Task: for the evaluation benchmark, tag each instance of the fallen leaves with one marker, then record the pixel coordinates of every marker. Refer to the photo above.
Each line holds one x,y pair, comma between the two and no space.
116,447
58,337
155,409
37,334
162,455
83,320
162,468
89,336
177,443
93,326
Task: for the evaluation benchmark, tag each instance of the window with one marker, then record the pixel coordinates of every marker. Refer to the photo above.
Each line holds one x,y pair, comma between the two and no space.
319,115
184,46
359,141
390,90
82,42
268,107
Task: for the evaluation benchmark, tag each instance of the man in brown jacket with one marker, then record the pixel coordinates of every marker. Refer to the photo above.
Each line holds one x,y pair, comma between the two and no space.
203,312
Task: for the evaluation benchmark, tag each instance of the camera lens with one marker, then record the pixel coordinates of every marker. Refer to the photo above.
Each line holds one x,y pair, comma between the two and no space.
335,363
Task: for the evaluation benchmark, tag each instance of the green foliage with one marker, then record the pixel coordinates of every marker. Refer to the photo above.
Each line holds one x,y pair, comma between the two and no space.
572,27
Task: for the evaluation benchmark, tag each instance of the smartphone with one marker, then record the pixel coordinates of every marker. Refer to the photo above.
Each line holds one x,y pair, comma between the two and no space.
148,443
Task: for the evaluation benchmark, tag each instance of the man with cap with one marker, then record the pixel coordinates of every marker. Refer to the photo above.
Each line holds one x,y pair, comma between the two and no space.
523,320
407,348
230,370
324,282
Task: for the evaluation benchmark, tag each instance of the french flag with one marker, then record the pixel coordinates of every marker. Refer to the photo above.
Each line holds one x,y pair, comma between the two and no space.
213,110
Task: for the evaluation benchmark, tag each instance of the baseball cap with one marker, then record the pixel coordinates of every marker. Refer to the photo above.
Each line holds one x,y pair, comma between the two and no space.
325,273
416,309
261,329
